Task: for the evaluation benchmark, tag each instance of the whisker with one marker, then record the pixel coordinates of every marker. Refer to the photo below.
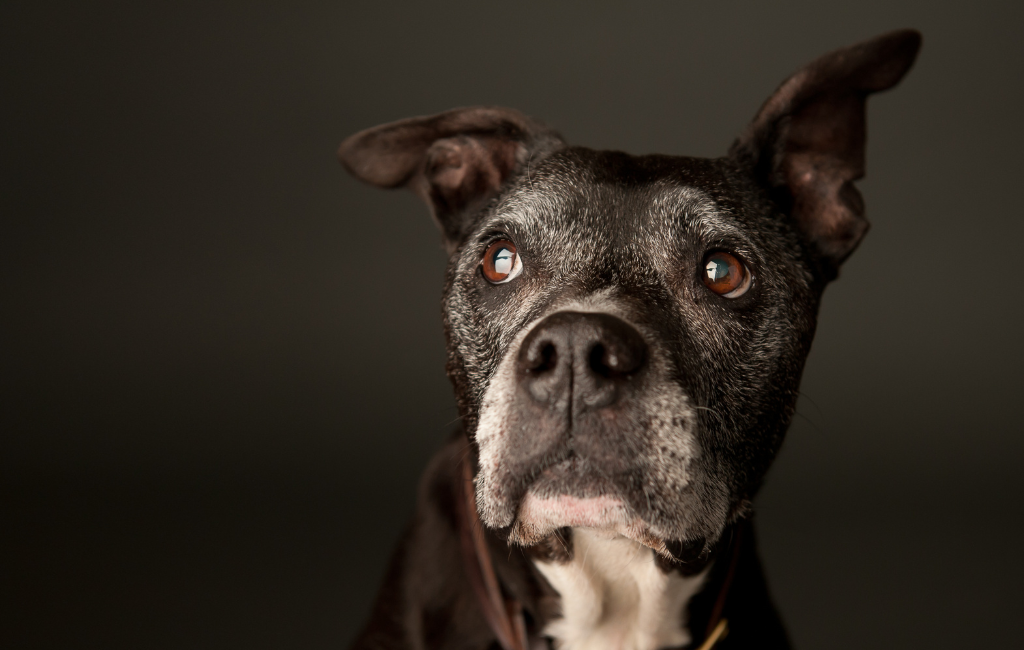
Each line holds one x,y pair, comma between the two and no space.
814,424
453,421
813,403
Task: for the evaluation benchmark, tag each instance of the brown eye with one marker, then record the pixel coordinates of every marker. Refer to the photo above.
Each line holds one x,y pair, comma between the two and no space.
726,275
501,262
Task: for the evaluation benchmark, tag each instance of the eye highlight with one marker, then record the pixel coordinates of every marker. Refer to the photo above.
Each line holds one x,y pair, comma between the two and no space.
501,262
725,275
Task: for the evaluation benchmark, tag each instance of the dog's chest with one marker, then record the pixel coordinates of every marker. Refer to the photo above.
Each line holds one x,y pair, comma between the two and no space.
614,596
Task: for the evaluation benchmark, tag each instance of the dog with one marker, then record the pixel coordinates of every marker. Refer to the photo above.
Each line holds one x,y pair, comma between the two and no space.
625,337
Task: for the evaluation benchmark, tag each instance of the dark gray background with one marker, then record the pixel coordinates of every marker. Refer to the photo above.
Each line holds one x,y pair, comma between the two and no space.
222,357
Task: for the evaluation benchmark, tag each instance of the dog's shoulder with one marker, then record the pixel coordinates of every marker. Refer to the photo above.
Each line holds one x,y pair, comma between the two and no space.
425,599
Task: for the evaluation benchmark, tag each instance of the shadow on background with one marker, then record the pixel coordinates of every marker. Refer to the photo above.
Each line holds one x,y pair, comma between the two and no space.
222,361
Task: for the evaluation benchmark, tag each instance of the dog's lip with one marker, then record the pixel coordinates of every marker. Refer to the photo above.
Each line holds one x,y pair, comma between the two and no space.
566,510
568,494
565,493
607,514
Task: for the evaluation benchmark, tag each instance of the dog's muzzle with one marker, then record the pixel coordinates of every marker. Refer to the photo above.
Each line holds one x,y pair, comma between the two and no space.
582,426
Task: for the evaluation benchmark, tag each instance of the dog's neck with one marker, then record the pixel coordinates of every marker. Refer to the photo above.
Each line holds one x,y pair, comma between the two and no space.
615,596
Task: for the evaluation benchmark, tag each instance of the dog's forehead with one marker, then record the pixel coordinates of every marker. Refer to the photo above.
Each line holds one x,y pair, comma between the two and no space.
582,205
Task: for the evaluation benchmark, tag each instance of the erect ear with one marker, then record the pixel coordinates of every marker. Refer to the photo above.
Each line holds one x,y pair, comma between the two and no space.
807,142
455,161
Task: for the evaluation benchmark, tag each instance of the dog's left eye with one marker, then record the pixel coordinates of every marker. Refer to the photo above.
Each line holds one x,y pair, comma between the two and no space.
501,262
725,275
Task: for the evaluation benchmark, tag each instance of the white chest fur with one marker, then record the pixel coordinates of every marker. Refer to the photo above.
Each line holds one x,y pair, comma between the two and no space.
615,597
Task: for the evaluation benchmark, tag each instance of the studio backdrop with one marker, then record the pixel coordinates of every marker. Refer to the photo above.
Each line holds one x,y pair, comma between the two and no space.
222,360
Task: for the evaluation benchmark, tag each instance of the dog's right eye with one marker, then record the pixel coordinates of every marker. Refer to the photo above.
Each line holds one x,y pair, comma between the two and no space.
501,262
725,275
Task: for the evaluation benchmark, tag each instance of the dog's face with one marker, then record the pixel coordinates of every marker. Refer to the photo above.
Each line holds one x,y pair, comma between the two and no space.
626,333
612,382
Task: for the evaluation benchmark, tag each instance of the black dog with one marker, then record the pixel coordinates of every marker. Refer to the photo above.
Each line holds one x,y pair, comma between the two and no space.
626,336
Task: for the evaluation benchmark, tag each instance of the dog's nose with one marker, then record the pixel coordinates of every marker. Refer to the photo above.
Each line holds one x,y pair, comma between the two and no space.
580,360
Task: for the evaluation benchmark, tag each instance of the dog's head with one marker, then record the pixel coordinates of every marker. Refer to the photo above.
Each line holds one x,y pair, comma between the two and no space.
626,333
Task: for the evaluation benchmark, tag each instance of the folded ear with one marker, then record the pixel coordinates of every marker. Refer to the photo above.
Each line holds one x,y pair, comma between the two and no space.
455,161
807,142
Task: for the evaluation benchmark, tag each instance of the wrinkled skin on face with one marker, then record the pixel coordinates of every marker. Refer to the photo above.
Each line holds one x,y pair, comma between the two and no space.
606,232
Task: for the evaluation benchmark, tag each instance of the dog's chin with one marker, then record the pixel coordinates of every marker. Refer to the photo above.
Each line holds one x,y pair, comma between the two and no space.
550,513
540,517
565,498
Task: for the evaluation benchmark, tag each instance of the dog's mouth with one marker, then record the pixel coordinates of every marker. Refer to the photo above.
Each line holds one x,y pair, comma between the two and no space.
577,512
570,494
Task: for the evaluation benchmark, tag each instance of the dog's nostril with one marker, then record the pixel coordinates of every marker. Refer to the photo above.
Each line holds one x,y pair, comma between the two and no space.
609,360
541,358
601,361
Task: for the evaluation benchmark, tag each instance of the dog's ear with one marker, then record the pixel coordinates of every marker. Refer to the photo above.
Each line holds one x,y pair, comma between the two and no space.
455,161
807,142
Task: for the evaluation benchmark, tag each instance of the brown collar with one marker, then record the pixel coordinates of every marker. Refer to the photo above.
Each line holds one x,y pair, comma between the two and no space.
505,615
